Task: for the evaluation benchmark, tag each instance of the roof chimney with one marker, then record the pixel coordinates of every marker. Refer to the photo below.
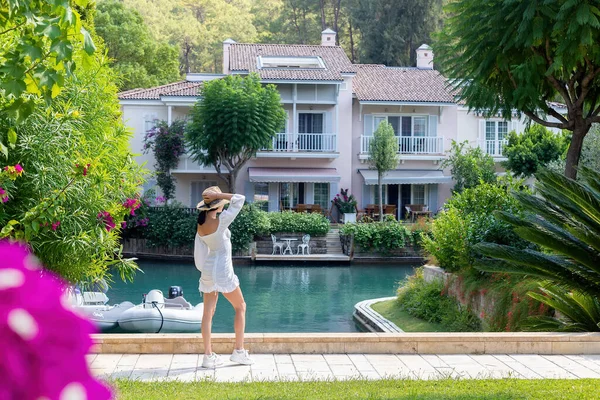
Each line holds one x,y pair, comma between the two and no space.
226,45
425,57
328,37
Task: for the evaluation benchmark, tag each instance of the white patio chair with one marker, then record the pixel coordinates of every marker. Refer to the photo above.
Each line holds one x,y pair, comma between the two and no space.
305,244
277,245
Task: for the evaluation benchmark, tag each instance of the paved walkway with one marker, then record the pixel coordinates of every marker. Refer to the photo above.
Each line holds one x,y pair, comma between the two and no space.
294,367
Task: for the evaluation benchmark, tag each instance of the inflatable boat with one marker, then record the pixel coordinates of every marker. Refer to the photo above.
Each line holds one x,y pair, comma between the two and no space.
159,315
93,306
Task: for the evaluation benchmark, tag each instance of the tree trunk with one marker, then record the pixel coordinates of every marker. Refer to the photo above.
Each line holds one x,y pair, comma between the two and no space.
574,152
323,21
231,181
380,196
352,53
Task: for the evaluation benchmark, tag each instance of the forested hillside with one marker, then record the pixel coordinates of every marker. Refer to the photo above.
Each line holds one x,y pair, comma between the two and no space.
370,31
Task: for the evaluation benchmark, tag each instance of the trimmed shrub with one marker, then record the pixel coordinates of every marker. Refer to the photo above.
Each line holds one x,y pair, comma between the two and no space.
251,221
287,221
171,226
379,236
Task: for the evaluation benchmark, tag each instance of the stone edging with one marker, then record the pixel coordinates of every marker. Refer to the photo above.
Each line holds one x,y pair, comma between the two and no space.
371,319
356,343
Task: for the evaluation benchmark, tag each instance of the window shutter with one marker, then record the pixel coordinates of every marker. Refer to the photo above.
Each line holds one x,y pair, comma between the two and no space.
249,191
273,196
368,125
514,126
482,129
328,122
433,125
432,201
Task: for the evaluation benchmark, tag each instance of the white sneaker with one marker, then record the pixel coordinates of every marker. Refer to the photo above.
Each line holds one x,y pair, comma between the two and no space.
241,357
211,361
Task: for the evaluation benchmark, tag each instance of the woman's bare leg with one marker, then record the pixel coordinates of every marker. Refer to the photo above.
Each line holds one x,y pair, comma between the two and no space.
236,298
210,305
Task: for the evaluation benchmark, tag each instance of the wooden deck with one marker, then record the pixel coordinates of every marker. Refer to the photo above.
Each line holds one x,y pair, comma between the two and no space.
306,257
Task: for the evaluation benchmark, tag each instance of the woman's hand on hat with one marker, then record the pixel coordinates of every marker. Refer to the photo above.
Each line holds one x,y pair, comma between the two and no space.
210,196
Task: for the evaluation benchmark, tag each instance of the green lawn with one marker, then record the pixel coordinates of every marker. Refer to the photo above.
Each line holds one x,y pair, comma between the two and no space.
390,310
386,389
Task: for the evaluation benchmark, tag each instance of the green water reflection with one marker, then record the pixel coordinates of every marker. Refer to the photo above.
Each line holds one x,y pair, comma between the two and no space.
278,298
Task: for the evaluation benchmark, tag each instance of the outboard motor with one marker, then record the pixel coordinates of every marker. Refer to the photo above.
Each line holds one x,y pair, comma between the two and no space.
175,291
154,298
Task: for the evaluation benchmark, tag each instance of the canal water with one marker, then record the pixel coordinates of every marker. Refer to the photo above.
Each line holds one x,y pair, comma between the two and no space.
279,298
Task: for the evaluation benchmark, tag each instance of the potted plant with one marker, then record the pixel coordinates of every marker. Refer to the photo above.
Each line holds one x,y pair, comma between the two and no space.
346,205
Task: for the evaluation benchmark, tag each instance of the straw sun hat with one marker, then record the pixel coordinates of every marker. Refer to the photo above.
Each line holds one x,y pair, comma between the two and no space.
204,206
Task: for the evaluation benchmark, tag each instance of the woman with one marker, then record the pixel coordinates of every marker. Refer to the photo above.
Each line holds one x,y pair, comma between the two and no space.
212,256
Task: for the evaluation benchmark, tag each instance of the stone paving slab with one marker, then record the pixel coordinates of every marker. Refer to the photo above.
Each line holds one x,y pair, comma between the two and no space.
311,367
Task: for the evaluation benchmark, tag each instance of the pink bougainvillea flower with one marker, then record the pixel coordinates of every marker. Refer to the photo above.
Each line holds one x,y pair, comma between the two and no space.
55,225
14,171
3,195
132,205
43,344
107,219
123,225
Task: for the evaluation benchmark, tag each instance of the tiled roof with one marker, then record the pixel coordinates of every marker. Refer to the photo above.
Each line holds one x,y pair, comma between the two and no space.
183,88
243,57
375,82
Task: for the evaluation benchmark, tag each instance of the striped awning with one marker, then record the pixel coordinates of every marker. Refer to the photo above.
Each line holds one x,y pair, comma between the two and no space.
406,177
316,175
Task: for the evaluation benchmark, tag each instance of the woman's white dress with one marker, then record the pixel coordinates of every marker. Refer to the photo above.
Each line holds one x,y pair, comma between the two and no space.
212,253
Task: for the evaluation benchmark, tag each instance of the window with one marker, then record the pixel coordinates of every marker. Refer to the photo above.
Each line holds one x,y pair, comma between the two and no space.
290,62
310,122
495,134
418,194
322,195
404,125
376,194
288,195
197,188
261,195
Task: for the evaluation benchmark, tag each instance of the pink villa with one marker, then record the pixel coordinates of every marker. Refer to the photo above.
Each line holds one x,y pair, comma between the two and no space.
333,108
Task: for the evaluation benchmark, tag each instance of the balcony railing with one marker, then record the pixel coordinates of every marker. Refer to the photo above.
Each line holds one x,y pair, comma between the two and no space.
411,144
304,142
493,147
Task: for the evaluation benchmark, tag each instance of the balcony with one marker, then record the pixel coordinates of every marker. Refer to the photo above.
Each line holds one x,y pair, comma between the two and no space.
302,145
493,147
411,145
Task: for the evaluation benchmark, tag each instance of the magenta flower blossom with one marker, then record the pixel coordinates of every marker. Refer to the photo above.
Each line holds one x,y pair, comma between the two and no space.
3,195
161,199
132,205
123,224
107,219
43,344
55,225
14,170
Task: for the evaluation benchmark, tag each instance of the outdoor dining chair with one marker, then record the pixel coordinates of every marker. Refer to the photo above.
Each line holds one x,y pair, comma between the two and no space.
276,245
305,244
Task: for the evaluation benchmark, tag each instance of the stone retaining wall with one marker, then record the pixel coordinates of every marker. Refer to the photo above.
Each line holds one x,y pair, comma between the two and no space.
352,343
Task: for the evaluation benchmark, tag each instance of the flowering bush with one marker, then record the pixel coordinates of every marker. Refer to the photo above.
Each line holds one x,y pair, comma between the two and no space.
72,161
43,344
345,203
167,142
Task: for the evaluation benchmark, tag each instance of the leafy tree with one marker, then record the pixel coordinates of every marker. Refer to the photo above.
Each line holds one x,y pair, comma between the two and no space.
470,167
197,28
391,30
78,177
235,117
167,144
136,56
562,218
383,156
512,55
534,148
41,44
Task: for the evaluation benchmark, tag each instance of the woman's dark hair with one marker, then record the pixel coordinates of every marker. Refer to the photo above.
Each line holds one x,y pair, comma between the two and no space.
201,217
